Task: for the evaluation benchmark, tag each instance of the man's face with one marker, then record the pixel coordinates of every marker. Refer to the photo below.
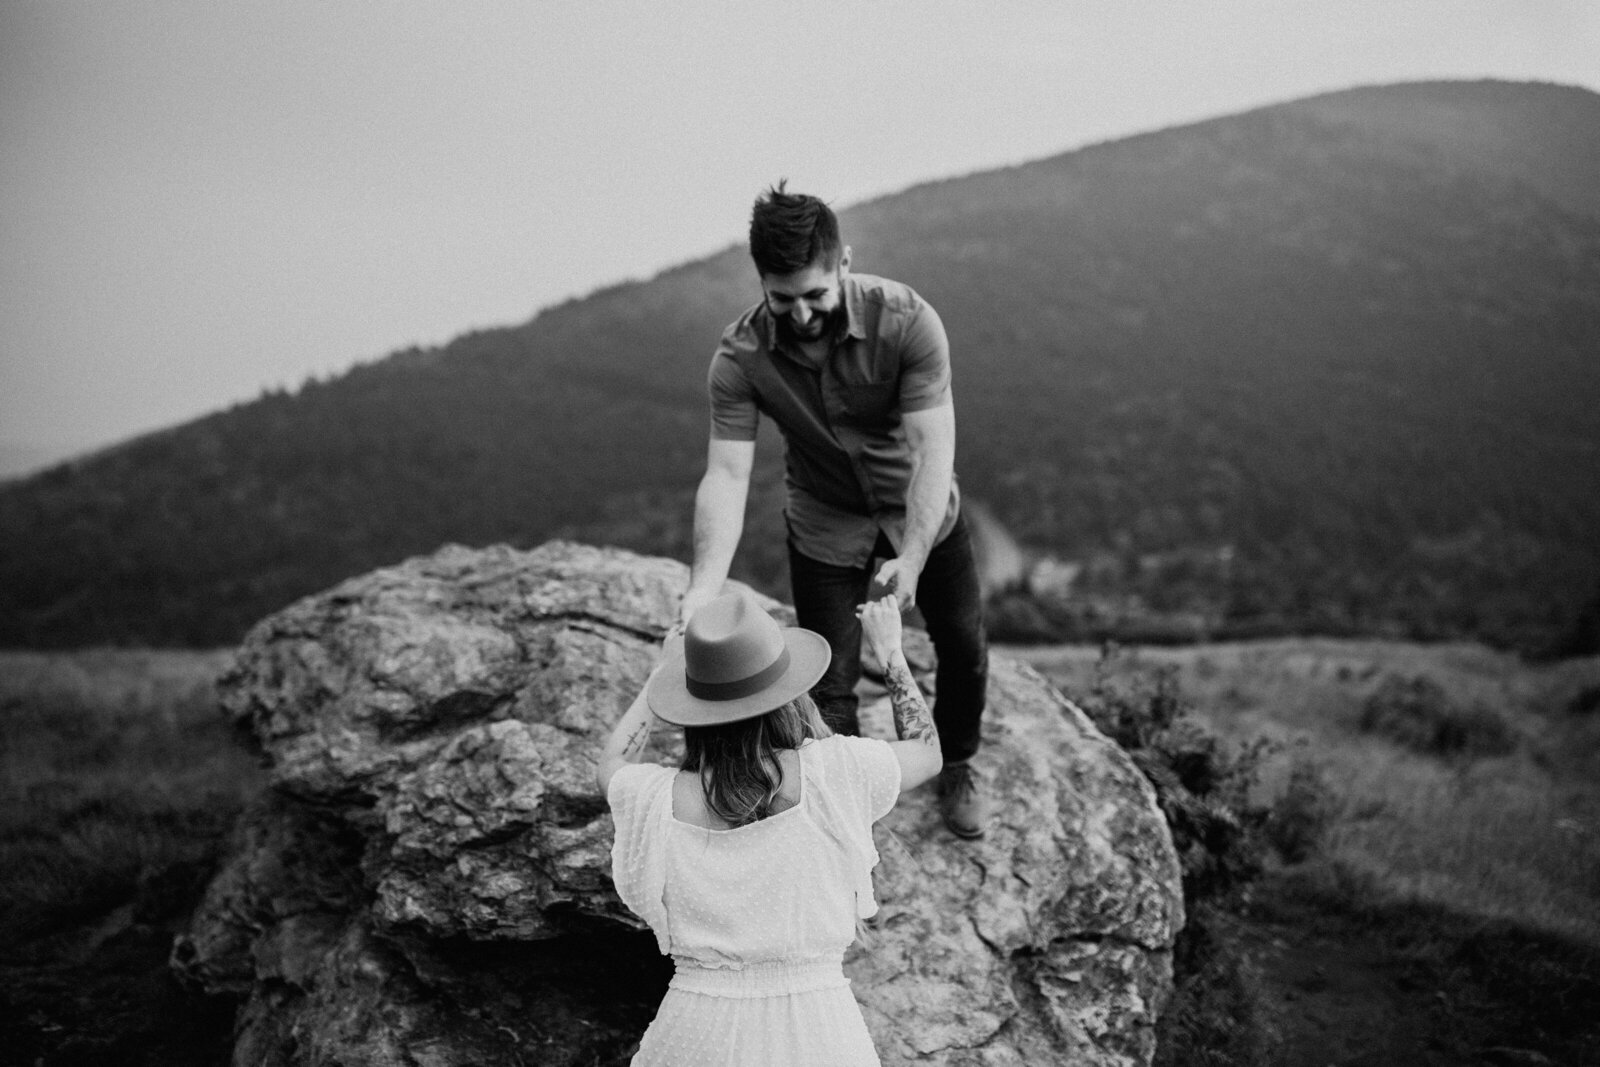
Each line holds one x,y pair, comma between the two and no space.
807,304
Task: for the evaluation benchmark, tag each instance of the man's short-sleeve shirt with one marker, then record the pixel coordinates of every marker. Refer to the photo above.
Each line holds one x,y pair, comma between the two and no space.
847,461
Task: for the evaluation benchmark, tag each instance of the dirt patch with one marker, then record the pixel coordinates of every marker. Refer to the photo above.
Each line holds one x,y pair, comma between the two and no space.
103,995
1343,987
1330,994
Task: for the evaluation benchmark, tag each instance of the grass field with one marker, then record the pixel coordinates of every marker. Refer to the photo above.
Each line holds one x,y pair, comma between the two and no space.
1446,909
1512,835
1449,912
118,783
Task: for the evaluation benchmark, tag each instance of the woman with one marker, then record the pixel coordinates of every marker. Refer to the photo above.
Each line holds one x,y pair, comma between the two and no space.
752,863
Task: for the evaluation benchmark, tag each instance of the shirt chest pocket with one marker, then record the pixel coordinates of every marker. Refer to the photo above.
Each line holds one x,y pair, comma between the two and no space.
867,403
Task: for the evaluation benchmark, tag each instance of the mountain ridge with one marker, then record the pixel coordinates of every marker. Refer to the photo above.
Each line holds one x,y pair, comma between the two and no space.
1270,370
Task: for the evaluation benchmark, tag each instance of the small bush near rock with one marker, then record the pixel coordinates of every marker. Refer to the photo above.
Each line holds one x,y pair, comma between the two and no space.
1301,816
1202,785
1216,1015
1419,714
1016,618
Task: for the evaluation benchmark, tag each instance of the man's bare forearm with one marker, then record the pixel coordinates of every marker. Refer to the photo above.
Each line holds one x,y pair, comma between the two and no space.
933,458
718,525
719,503
912,719
927,497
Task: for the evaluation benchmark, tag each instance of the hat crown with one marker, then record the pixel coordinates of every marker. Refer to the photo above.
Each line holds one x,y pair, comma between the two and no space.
735,662
729,640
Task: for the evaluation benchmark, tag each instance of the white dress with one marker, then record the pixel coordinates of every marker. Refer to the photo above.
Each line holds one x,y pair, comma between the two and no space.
757,918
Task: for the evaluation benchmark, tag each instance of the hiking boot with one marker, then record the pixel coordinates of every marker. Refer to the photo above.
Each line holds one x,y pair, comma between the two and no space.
961,801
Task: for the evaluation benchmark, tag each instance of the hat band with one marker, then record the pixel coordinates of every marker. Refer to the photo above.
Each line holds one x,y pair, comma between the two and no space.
739,687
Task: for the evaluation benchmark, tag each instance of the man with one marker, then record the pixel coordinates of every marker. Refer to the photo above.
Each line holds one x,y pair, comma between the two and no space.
855,371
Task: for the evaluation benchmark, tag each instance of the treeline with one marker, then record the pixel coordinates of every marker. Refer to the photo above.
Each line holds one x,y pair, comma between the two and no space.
1302,369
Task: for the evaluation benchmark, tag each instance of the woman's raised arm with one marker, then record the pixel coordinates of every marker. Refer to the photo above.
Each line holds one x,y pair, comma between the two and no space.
918,748
627,741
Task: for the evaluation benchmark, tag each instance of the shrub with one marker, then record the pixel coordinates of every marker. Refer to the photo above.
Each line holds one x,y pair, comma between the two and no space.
1202,787
1217,1016
1217,1013
1419,714
1016,618
1300,818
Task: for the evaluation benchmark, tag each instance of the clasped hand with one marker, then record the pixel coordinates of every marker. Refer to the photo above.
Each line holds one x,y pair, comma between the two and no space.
898,577
880,624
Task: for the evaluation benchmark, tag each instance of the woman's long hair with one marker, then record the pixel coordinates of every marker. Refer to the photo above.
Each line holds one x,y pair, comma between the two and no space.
738,761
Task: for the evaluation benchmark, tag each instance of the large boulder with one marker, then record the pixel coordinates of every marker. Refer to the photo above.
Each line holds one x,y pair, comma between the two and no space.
428,881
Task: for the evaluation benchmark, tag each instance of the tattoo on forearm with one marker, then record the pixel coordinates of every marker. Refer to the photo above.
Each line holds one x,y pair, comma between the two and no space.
636,740
912,720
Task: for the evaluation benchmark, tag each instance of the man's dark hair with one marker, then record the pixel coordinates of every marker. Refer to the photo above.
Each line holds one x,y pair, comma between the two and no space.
791,231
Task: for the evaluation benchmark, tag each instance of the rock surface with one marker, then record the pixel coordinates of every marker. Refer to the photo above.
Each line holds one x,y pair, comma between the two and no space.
428,882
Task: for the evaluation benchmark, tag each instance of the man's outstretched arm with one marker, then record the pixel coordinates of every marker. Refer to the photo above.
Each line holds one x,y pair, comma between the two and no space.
931,435
718,519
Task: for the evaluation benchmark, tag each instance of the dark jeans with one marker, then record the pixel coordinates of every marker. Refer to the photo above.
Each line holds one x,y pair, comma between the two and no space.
825,600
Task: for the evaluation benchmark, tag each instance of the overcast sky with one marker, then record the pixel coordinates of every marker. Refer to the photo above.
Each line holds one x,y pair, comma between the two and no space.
200,200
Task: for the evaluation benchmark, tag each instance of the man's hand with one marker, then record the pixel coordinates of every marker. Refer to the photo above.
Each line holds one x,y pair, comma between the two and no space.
693,600
899,576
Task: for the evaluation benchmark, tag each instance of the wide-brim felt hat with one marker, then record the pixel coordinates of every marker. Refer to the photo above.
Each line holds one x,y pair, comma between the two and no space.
735,663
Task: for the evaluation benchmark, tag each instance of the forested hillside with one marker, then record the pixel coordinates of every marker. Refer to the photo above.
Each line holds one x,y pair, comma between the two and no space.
1327,366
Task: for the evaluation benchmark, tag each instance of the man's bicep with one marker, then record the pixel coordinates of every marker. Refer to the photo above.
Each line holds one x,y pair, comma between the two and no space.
731,459
932,431
924,362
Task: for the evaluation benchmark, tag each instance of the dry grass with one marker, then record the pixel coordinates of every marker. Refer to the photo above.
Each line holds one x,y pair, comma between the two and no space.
1441,903
118,782
1514,837
116,773
118,779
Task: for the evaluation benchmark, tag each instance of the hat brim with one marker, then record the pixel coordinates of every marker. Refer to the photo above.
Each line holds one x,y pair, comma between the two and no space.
671,701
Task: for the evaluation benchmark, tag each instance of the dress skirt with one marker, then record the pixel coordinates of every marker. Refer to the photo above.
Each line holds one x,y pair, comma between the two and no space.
777,1014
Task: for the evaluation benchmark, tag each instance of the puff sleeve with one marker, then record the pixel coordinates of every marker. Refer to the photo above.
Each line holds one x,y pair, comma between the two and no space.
858,783
640,796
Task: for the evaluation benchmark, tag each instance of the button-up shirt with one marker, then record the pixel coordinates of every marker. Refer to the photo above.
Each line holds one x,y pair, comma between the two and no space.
847,462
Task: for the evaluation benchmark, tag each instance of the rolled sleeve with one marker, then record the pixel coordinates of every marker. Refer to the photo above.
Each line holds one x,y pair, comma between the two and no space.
925,361
734,416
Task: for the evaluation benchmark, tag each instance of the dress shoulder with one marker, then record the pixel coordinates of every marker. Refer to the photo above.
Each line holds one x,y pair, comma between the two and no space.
863,770
854,782
640,796
632,785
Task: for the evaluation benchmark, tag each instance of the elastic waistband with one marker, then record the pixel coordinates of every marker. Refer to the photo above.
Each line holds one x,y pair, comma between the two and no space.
769,978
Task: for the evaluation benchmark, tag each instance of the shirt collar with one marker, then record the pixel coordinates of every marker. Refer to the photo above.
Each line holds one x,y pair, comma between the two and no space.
849,293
